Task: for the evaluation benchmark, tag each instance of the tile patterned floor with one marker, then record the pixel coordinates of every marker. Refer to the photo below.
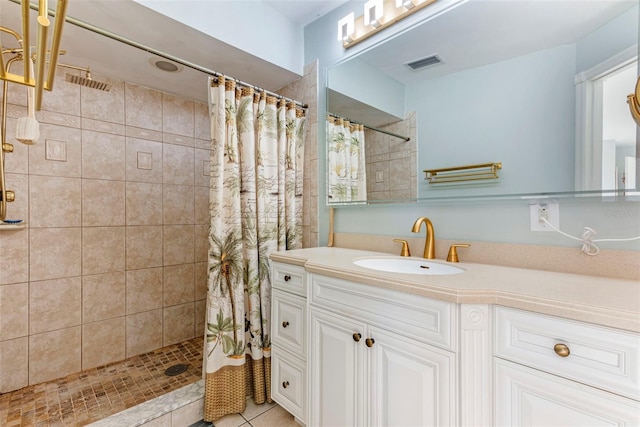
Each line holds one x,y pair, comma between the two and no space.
267,415
90,395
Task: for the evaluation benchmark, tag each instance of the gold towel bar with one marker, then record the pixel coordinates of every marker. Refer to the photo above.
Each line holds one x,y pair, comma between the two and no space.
41,81
463,173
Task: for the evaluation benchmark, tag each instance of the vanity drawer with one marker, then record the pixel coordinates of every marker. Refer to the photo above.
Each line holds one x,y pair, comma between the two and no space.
421,318
602,357
288,382
289,322
290,278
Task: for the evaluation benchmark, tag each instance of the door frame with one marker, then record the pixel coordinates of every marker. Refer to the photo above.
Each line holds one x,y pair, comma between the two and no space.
588,146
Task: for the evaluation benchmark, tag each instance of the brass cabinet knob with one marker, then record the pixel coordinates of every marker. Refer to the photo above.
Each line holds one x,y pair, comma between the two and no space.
285,384
356,337
369,342
561,350
287,278
452,256
7,148
285,324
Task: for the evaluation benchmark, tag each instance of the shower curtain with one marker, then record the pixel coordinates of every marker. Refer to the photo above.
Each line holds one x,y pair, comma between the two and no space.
255,203
346,161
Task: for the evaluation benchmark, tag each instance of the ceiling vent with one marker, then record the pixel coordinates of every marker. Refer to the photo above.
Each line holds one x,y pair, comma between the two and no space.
424,62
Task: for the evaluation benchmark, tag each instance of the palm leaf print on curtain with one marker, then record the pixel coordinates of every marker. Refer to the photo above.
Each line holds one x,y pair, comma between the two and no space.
347,178
256,207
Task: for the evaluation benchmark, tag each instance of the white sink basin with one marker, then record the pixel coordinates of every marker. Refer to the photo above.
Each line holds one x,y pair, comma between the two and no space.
407,266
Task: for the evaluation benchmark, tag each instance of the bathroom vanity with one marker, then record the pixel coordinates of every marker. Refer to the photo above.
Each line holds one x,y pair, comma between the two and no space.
490,345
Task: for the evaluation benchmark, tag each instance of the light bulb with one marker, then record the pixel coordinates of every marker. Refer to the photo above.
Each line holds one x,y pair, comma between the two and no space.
345,28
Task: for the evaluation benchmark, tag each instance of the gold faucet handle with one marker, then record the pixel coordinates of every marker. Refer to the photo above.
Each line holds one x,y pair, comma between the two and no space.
405,247
452,256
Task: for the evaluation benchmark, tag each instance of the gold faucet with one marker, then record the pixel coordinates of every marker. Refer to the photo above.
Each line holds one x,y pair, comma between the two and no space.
429,243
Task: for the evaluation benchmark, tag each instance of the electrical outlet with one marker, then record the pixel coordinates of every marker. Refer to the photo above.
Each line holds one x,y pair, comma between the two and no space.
548,210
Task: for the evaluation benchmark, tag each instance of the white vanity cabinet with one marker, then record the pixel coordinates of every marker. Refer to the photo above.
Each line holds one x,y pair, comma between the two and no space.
346,353
379,357
551,371
289,339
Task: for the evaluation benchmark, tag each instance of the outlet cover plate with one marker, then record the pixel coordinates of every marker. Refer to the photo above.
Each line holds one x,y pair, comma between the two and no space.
552,210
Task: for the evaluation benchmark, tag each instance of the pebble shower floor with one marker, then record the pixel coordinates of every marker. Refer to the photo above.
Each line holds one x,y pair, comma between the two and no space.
88,396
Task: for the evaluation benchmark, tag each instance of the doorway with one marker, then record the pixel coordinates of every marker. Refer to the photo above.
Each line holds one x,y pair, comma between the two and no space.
606,135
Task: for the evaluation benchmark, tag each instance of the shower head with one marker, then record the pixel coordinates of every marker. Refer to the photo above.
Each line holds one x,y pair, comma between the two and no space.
88,81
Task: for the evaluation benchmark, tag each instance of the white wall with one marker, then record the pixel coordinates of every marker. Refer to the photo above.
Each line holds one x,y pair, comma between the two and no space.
261,28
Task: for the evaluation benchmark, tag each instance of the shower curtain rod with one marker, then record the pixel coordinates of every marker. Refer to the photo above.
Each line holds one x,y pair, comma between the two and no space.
161,54
406,138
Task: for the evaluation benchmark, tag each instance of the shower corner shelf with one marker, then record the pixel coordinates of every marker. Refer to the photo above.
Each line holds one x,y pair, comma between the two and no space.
12,227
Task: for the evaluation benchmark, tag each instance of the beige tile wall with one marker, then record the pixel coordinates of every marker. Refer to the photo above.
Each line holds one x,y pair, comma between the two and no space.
113,260
306,90
392,162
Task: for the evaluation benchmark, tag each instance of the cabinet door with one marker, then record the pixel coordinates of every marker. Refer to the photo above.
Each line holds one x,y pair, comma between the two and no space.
336,377
411,383
528,397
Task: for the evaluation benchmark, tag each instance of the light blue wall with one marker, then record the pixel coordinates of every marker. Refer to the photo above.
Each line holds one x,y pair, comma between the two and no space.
494,221
519,112
357,80
615,36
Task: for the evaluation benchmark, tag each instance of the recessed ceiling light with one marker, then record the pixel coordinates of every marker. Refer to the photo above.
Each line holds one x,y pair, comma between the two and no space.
165,65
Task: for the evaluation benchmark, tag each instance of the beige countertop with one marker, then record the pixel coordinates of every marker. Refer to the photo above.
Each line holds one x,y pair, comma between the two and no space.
603,301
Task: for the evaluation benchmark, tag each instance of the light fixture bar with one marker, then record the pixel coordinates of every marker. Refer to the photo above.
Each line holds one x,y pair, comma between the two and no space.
364,28
409,4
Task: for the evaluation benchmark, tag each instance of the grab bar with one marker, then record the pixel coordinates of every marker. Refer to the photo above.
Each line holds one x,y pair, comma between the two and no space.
6,196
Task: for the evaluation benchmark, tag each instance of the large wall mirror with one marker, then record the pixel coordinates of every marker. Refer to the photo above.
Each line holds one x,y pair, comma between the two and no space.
538,86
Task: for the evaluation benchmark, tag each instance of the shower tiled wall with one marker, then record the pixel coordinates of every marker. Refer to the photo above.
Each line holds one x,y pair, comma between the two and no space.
306,90
112,262
391,162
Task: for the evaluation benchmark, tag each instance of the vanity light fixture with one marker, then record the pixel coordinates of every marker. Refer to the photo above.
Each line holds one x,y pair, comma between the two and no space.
345,28
373,13
409,4
377,15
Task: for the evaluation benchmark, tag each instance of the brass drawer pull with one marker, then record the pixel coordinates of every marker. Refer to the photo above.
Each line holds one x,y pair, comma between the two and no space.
561,350
369,342
285,324
287,277
356,337
285,384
